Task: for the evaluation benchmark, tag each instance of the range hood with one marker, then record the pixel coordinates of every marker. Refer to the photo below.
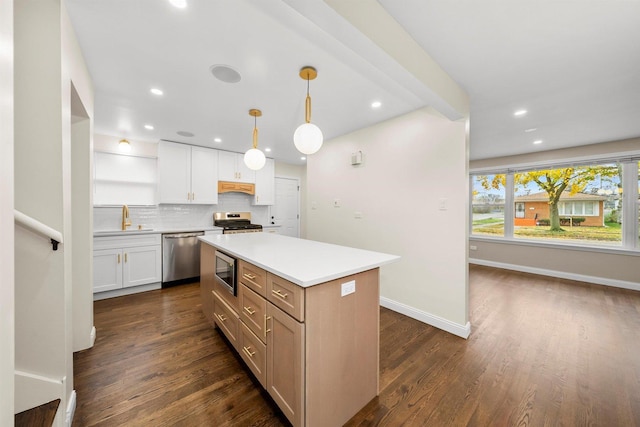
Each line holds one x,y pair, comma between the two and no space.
236,187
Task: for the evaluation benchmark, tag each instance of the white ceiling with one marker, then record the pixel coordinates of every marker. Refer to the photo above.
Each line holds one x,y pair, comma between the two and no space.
573,64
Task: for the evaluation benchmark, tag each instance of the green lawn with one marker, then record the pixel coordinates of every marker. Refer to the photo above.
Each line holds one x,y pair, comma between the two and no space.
488,221
611,232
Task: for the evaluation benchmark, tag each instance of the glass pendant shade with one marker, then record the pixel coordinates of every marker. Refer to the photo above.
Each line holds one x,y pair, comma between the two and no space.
308,138
254,159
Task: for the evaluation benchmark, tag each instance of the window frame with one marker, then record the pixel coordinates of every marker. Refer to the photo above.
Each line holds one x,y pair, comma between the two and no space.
630,242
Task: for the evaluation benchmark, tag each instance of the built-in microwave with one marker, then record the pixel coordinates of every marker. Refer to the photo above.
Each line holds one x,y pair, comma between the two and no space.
226,272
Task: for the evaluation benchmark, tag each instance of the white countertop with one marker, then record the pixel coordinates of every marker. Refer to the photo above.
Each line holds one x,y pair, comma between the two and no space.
133,231
303,262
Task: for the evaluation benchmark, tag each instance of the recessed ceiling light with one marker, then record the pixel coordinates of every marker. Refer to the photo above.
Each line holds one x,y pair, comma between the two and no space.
225,73
537,141
531,130
217,140
156,91
376,104
185,133
180,4
303,158
148,127
520,113
268,150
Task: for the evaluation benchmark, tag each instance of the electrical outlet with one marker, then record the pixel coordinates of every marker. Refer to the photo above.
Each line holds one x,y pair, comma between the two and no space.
442,203
473,248
348,288
357,215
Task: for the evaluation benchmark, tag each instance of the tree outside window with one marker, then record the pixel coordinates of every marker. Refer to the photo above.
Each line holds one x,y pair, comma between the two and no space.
576,203
487,204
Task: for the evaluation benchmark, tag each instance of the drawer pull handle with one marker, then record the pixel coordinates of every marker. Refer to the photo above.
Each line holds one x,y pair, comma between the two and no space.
248,352
249,276
221,317
125,257
248,310
118,258
280,294
265,325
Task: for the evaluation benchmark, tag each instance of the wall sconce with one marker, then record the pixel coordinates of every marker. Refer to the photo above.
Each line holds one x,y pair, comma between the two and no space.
124,146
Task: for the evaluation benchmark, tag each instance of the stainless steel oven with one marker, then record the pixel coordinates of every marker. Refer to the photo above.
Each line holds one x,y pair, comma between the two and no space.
226,267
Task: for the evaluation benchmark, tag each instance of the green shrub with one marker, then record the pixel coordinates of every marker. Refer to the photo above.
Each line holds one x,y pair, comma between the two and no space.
544,221
578,220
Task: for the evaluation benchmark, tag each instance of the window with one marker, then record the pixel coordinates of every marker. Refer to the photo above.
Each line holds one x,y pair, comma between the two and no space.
575,204
487,204
578,208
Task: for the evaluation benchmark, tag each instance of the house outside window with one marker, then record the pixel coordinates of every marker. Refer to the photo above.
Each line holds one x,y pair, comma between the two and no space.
573,204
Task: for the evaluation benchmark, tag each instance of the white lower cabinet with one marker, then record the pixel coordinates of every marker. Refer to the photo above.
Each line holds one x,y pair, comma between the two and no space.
126,261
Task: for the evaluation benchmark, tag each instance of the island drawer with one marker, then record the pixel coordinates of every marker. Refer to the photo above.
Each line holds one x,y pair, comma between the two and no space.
253,311
254,353
226,319
285,295
254,277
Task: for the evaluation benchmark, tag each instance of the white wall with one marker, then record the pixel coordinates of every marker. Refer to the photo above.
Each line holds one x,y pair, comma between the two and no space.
412,165
7,296
48,64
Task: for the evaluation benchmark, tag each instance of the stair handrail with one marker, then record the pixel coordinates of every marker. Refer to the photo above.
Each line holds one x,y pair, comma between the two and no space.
33,224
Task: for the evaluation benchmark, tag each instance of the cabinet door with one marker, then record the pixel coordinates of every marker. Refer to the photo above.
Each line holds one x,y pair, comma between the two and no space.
265,184
107,270
244,173
227,166
231,167
207,278
285,363
142,265
204,176
174,173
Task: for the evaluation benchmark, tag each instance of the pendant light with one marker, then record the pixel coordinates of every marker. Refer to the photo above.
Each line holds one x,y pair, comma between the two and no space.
308,137
124,146
254,158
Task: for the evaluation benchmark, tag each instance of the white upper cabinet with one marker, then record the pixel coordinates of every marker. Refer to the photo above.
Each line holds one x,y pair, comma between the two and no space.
231,168
204,176
265,184
187,174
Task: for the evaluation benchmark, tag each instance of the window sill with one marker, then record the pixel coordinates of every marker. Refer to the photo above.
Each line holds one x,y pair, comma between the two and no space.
556,245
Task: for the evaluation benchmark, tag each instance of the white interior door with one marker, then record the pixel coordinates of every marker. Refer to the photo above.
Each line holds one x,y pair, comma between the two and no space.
286,210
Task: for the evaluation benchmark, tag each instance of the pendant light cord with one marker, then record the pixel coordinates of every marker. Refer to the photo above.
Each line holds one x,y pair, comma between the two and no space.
307,108
255,132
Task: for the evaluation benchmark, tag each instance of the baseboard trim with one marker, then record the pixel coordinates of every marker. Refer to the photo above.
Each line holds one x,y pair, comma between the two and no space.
71,409
126,291
430,319
92,336
559,274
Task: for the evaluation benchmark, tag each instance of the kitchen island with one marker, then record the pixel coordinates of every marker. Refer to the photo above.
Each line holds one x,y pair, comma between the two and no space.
304,318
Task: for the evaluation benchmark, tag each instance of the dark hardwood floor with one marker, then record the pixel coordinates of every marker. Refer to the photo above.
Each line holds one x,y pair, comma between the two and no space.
542,352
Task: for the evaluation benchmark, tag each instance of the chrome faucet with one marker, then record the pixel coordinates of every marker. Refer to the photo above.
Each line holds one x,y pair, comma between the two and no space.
125,217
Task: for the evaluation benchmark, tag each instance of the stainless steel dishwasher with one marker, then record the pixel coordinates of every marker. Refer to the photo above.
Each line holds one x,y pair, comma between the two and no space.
180,257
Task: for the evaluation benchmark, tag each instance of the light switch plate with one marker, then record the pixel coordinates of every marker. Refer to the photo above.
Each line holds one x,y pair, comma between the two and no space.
348,288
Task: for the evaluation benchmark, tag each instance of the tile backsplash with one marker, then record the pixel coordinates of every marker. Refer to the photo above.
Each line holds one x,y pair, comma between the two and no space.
174,217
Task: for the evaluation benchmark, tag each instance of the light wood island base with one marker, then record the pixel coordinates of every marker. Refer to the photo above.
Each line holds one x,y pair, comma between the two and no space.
316,350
